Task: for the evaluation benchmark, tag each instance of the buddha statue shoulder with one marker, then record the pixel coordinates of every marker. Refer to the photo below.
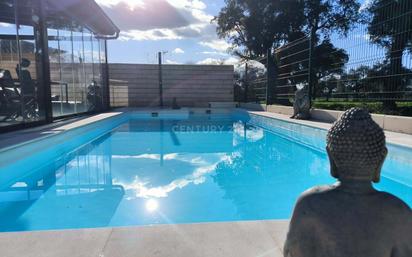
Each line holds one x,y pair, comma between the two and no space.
351,218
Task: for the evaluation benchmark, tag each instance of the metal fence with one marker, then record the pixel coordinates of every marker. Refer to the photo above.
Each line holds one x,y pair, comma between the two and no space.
373,63
252,83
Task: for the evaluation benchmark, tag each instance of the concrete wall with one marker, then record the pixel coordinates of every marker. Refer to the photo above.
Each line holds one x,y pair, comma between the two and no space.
388,122
137,85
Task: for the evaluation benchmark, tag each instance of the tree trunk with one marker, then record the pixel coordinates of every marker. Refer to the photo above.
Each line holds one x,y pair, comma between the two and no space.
393,82
313,78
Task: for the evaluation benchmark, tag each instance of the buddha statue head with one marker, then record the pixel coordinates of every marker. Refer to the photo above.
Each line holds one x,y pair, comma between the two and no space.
356,147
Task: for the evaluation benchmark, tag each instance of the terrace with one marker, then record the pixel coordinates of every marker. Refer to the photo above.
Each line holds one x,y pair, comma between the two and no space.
103,158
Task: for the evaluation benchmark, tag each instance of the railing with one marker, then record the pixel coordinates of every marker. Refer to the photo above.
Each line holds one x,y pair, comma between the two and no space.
373,63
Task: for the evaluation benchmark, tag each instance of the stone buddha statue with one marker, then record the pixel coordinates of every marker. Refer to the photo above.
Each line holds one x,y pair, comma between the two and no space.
351,218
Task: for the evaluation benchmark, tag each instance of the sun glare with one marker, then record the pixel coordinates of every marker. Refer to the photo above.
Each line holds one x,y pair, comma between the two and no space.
152,205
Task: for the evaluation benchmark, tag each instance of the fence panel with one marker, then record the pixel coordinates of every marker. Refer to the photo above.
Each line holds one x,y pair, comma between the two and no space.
373,63
293,61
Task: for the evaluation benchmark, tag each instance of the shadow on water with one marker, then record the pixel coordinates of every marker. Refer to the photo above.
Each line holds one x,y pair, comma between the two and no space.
59,196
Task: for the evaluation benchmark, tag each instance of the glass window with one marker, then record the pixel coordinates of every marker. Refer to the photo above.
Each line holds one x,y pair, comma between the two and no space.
67,71
88,42
59,88
75,67
79,86
103,67
75,57
21,85
96,89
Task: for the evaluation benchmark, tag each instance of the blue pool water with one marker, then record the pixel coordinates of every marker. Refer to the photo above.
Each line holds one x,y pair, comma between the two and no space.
133,171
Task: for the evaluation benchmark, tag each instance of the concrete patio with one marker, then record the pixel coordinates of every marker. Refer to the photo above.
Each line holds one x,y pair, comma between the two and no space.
237,239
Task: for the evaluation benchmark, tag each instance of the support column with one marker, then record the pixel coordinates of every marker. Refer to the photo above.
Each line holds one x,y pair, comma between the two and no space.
43,63
160,80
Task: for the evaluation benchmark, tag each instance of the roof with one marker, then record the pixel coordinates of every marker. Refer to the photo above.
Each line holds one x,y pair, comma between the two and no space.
88,13
84,13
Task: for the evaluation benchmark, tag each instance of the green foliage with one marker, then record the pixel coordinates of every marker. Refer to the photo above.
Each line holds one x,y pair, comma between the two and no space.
388,22
389,27
253,26
294,66
327,16
367,82
402,108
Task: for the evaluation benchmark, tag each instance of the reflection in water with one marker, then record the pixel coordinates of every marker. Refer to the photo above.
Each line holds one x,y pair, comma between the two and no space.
197,170
62,193
147,173
263,180
152,205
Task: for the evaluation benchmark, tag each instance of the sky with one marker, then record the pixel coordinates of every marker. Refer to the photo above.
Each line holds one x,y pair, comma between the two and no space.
182,28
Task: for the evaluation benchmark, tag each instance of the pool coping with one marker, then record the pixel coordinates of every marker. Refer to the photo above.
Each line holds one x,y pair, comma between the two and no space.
393,138
221,239
12,140
16,139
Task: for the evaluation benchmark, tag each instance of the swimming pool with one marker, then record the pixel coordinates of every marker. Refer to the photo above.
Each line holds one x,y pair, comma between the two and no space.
136,169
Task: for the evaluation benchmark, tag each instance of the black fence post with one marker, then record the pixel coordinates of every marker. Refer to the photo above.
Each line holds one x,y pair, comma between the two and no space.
43,64
270,76
160,81
246,80
106,83
311,78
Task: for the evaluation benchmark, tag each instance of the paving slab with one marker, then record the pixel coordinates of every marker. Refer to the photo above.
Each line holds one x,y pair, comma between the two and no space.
223,239
391,137
235,239
63,243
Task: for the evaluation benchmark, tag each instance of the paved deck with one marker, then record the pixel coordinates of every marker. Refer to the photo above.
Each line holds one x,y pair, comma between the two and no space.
19,137
391,137
237,239
23,136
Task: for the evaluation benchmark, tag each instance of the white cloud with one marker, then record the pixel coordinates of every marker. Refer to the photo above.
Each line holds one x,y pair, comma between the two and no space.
172,62
222,61
211,61
130,3
160,19
216,44
194,4
231,61
154,34
214,53
178,51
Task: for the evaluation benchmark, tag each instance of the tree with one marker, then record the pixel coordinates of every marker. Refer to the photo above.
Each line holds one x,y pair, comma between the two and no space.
294,66
253,26
329,62
322,17
389,27
356,79
255,72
